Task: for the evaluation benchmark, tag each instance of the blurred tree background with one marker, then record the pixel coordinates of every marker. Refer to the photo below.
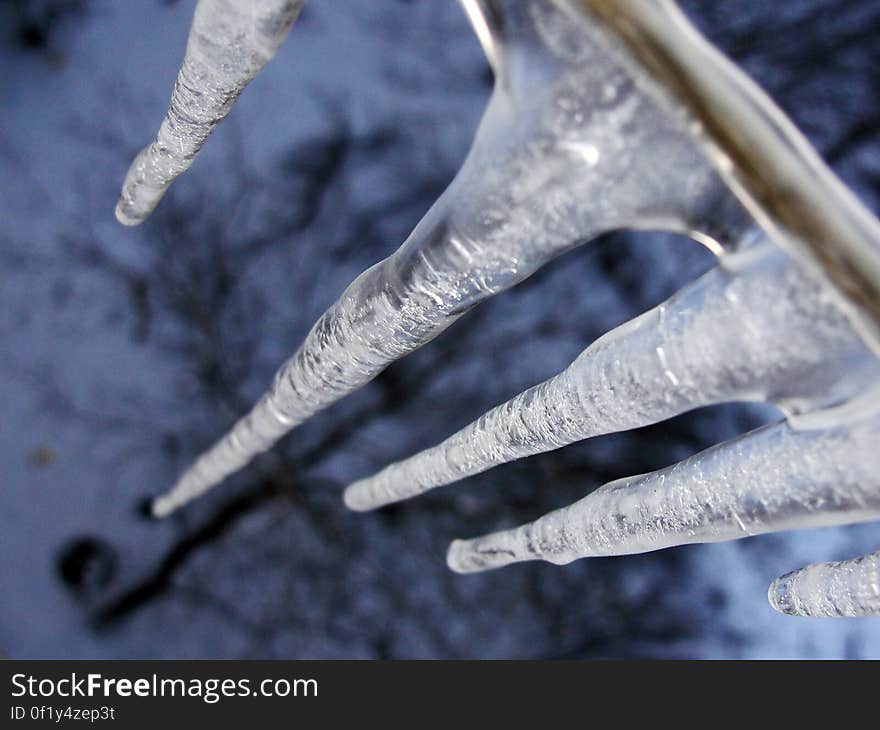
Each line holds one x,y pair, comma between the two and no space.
127,351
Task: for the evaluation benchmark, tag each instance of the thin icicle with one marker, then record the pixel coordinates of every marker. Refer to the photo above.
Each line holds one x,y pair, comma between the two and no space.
756,328
229,43
829,590
568,148
772,479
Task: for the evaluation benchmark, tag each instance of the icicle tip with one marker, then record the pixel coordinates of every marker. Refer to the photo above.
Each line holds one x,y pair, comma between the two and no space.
163,506
779,595
475,556
455,557
357,499
123,217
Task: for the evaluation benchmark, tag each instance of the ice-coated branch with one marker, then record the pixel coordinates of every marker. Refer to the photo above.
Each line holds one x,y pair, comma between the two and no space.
828,590
757,327
568,148
776,478
229,43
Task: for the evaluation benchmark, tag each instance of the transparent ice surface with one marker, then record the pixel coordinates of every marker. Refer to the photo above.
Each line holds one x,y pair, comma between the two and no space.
757,327
776,478
230,41
828,590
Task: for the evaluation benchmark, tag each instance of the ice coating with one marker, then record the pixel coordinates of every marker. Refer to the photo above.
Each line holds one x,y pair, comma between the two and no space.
229,43
775,478
568,148
828,590
758,327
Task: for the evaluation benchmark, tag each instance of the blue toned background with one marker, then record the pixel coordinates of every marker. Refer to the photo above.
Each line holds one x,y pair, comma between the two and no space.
124,352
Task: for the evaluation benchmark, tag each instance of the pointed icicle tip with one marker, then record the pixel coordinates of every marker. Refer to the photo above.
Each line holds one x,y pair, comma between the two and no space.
356,500
455,557
780,595
123,217
162,507
478,555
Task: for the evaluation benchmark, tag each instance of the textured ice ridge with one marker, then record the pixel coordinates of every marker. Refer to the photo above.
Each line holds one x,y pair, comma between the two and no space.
230,42
755,328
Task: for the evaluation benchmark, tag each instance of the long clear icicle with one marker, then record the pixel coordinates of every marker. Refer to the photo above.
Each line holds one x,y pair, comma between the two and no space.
569,147
776,478
828,590
757,327
229,43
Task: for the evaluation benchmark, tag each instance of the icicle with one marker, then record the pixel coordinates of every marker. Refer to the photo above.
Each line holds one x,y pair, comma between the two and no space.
772,479
757,327
230,42
569,148
825,590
